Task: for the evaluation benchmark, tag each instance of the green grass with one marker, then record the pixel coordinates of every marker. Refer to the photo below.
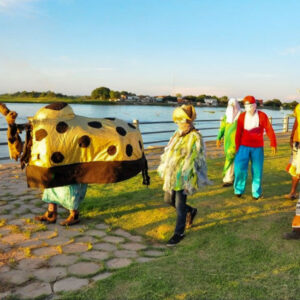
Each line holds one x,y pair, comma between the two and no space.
234,251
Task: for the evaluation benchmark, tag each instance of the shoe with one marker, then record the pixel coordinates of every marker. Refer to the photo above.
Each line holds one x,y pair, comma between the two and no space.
294,235
290,197
256,198
238,195
227,184
190,217
48,217
72,219
175,239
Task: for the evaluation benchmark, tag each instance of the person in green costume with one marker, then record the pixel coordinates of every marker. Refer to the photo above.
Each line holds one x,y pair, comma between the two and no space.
228,130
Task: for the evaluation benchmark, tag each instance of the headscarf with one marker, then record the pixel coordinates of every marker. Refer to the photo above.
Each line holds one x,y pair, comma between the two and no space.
184,116
232,111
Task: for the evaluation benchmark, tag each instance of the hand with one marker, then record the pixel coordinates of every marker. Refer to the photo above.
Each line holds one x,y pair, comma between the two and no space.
274,150
218,143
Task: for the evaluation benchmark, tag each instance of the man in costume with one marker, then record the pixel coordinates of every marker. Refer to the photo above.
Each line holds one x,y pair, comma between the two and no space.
291,168
63,152
183,168
249,141
228,130
294,170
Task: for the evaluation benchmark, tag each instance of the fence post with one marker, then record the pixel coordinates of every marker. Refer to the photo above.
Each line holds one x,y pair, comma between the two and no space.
270,119
285,124
136,123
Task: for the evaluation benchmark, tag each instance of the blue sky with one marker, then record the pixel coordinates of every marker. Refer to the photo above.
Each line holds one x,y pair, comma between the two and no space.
154,47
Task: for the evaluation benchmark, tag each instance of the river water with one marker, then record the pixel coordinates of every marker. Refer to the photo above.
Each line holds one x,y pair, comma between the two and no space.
209,118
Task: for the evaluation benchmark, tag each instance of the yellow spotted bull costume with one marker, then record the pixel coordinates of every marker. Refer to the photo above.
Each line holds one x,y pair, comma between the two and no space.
62,149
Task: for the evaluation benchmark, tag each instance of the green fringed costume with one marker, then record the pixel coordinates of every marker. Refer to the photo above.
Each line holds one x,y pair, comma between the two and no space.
228,130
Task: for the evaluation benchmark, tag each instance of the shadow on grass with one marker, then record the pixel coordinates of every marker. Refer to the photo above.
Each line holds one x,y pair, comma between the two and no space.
133,207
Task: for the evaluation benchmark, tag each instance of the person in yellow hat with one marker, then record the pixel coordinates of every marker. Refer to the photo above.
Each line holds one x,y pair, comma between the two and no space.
183,169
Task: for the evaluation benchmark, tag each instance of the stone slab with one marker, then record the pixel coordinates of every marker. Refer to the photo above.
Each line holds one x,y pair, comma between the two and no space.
13,238
101,276
105,247
101,226
84,268
46,251
97,255
50,274
144,259
31,263
114,239
15,276
62,260
125,253
43,235
154,253
96,233
133,246
69,284
75,248
85,239
34,290
58,241
117,263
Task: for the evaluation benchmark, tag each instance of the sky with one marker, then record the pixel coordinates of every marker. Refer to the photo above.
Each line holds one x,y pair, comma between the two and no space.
154,47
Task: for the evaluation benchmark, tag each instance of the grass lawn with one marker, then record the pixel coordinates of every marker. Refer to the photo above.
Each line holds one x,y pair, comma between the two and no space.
234,251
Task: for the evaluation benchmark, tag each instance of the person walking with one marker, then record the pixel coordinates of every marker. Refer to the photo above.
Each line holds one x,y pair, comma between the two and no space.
183,169
227,131
249,142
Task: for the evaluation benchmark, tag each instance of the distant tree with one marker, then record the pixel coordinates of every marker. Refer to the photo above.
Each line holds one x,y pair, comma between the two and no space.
273,103
191,98
114,95
201,98
223,100
169,98
101,93
293,104
178,95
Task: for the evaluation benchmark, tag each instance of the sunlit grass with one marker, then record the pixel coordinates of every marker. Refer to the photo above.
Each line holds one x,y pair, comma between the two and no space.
234,250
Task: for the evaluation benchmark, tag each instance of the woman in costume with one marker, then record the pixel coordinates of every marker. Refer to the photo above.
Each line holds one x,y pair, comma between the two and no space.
294,170
183,168
228,130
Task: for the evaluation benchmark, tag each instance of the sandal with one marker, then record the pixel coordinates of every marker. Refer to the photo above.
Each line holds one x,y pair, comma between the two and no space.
72,219
48,217
291,197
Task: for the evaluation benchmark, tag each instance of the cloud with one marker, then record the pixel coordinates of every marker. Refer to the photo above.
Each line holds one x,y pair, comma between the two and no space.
23,7
290,51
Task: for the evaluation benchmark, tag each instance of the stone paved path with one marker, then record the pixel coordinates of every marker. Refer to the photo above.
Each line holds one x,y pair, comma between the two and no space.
38,259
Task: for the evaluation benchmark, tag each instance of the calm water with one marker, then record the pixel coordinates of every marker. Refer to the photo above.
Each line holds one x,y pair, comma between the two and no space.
140,112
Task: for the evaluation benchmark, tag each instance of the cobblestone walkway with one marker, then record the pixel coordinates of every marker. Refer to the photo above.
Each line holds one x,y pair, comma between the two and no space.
38,259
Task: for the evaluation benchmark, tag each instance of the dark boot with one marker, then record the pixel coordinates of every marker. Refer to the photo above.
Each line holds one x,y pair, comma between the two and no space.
294,235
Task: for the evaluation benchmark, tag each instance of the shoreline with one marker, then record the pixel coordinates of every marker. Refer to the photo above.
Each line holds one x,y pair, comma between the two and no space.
95,102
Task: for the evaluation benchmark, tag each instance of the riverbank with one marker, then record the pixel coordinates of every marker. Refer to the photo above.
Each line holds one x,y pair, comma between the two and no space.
83,100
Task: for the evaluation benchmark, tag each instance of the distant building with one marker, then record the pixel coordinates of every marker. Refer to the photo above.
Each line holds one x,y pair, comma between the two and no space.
211,102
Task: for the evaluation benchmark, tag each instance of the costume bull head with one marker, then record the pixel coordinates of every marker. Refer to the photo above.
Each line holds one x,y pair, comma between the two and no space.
62,148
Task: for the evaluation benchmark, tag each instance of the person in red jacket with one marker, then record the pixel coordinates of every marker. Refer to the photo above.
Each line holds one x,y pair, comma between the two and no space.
249,142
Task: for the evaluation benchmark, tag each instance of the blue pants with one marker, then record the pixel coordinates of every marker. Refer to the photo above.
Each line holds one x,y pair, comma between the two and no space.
178,200
256,156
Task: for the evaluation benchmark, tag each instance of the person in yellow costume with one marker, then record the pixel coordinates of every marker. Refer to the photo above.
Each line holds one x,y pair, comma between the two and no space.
64,152
294,170
183,168
228,130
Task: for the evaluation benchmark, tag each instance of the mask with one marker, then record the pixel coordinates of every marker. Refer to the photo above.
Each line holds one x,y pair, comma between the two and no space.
250,108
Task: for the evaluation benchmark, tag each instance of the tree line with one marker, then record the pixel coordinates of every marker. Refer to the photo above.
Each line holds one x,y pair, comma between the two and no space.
105,94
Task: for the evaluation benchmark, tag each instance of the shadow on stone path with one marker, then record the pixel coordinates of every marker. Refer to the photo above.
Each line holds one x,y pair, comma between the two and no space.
38,259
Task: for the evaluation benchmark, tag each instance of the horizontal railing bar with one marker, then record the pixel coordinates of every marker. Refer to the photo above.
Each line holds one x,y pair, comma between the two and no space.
168,131
4,158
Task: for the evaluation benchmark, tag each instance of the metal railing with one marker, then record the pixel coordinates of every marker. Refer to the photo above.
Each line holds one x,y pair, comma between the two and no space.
284,126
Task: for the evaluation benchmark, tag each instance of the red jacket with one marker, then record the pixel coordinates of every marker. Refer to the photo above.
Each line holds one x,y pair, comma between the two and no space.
254,137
